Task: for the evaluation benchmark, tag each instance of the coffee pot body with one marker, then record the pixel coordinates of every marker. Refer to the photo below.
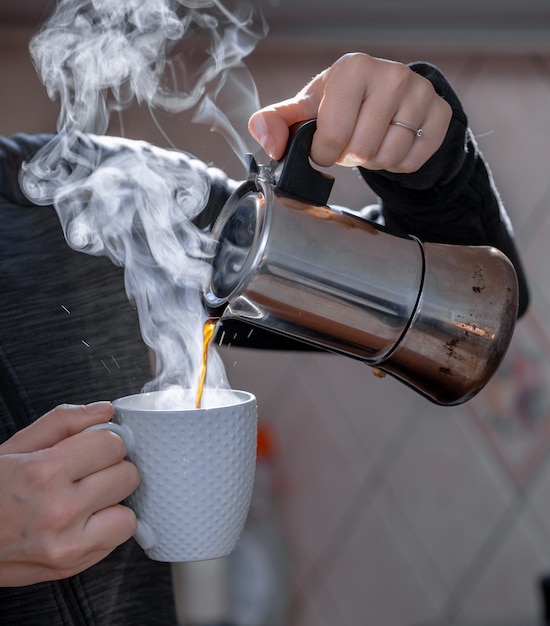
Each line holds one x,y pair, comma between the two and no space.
437,317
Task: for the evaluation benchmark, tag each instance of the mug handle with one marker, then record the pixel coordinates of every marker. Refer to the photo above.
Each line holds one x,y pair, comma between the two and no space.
144,535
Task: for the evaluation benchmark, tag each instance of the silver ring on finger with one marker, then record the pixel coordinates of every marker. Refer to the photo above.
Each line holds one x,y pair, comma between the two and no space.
417,132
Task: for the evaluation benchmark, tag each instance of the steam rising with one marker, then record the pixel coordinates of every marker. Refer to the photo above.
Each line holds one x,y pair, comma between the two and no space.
129,200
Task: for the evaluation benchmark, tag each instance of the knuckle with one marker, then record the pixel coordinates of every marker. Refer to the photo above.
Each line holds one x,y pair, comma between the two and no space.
383,160
354,61
62,419
397,161
62,411
412,161
400,78
129,523
61,555
40,471
43,479
60,515
331,140
407,167
366,154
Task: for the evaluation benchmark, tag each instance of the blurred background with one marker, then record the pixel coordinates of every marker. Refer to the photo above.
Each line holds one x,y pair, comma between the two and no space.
394,512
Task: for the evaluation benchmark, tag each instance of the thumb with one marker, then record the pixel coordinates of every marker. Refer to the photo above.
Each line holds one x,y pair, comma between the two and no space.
269,126
58,424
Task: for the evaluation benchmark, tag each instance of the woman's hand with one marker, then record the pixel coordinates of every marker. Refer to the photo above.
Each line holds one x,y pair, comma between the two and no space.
60,490
357,102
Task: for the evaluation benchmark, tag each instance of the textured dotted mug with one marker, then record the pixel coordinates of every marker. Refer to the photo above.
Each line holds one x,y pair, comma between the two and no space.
196,466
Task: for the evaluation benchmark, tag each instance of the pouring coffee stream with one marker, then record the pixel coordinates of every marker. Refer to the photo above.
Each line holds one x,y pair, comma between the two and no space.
437,317
209,329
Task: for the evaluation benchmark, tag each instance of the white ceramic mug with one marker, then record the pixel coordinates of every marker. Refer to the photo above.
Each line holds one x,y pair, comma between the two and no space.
196,466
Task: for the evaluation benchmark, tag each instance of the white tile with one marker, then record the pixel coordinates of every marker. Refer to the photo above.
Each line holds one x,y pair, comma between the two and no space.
447,491
505,586
539,500
376,410
320,480
513,411
374,581
536,258
316,609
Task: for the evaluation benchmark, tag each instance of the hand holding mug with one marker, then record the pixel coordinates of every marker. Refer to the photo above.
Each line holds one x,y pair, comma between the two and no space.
60,494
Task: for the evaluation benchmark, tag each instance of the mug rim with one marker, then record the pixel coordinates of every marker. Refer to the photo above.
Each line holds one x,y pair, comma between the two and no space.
137,402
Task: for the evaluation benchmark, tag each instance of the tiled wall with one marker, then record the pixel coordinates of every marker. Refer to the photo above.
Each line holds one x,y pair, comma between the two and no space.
398,512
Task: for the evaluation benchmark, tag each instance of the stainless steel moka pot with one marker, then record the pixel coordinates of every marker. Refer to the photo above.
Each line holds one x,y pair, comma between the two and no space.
437,317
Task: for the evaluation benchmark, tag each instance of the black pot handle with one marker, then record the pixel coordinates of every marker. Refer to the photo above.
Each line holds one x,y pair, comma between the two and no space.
294,175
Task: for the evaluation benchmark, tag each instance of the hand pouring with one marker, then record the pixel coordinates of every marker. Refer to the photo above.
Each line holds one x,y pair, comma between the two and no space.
437,317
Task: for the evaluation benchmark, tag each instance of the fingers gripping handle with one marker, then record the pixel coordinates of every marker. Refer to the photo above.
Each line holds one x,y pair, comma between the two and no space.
144,535
122,431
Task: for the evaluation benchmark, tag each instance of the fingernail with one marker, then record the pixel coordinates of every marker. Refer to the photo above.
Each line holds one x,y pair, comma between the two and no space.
268,144
260,132
97,407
